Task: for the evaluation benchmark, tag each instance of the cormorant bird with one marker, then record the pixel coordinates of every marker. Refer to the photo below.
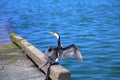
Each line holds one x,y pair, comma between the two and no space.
52,54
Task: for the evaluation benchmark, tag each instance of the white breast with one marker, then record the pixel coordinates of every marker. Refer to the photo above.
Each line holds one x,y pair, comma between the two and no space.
56,60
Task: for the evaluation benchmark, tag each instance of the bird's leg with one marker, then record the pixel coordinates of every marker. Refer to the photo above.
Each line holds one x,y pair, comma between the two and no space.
48,70
48,73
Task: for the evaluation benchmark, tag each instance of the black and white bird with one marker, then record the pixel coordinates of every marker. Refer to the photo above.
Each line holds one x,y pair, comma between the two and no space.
53,54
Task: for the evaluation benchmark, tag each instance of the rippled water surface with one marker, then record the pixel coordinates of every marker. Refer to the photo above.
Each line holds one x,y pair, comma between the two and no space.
92,25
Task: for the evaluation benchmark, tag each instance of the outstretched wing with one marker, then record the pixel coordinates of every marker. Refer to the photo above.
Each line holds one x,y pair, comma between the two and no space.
71,50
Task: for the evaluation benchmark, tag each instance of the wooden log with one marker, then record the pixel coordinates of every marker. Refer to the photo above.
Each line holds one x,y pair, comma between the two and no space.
57,72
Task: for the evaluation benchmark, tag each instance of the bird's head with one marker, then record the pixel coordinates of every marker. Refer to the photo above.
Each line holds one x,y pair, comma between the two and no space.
55,34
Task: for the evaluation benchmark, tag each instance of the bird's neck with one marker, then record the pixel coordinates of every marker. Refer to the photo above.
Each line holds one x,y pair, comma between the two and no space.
59,44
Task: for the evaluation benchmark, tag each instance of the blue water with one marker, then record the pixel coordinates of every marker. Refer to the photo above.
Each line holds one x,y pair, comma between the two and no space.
92,25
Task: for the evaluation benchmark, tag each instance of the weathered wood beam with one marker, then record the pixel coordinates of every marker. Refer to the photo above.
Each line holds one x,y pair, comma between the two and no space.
57,72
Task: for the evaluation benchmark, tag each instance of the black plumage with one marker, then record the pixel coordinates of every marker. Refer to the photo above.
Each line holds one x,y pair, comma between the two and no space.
53,54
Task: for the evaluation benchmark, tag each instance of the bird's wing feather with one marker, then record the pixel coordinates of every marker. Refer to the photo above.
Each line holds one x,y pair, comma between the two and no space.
50,54
71,50
49,48
47,52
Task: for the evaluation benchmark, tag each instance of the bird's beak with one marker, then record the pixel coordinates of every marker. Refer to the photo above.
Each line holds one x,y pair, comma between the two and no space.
54,34
51,33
